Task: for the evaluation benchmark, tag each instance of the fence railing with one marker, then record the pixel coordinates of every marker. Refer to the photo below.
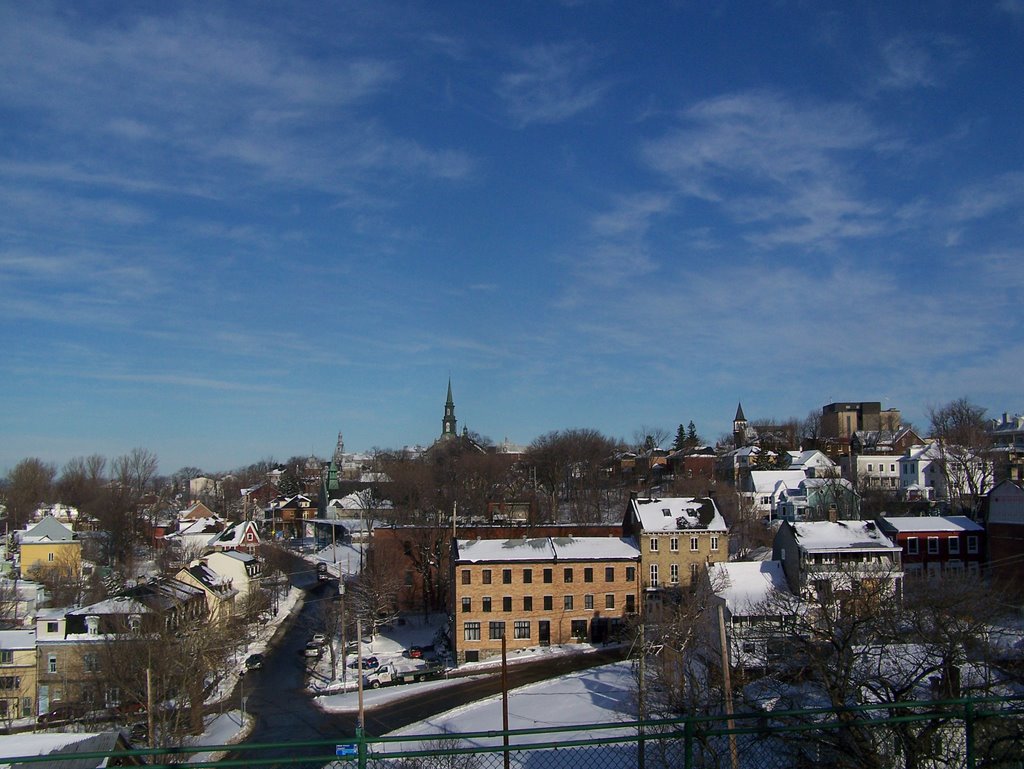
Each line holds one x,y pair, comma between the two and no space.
938,734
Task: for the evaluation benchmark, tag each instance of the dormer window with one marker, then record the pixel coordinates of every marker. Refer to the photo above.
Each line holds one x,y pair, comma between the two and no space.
135,623
666,512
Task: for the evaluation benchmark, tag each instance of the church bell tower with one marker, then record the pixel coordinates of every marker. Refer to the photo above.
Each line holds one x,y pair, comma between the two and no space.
448,423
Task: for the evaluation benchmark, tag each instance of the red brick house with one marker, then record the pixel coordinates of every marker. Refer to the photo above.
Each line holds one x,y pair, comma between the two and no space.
934,545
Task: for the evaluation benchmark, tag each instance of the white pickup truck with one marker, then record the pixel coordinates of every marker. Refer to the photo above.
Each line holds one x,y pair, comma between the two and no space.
390,673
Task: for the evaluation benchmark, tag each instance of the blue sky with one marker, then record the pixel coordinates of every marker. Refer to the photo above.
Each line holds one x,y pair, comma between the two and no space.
230,230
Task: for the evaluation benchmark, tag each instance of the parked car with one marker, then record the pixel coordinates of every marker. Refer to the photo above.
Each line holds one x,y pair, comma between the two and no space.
415,652
63,713
253,662
129,708
313,650
318,638
369,663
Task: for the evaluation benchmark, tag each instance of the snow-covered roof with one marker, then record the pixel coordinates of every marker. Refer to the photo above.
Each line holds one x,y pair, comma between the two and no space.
238,556
746,585
767,481
17,639
841,535
234,535
678,514
547,549
925,523
121,604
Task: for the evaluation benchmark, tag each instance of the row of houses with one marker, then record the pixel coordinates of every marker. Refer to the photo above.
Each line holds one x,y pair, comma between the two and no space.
58,659
560,589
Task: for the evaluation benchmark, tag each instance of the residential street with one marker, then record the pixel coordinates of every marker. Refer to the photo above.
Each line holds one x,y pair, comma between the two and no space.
285,713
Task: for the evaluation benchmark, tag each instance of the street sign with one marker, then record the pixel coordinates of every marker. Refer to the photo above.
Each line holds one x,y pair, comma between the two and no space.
346,751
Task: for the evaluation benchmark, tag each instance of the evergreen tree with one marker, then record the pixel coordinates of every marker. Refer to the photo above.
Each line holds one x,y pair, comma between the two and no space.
680,441
691,434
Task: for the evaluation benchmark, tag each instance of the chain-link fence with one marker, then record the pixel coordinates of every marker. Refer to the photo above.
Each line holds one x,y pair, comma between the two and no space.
947,734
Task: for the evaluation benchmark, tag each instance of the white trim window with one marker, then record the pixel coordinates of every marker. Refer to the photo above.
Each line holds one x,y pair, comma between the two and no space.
933,545
654,575
953,543
972,544
654,544
673,573
913,547
673,544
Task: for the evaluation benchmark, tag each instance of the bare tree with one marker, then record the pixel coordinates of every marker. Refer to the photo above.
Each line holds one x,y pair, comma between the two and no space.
374,596
568,465
29,484
965,452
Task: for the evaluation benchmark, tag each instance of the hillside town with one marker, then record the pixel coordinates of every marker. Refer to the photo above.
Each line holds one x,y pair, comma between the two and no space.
842,559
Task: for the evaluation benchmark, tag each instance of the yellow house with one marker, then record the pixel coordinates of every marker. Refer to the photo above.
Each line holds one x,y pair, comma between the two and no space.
17,674
51,545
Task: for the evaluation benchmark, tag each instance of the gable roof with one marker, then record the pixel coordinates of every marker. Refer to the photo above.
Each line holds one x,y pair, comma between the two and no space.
930,523
234,535
49,529
744,586
766,481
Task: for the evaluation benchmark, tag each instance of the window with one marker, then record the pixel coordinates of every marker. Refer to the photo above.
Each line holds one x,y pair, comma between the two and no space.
673,544
506,603
52,664
609,600
954,545
506,576
749,647
521,628
10,682
694,571
631,574
527,603
549,603
465,576
588,574
51,627
654,575
527,576
870,467
487,576
471,631
654,544
694,544
547,576
630,604
49,556
673,574
496,631
467,604
90,663
714,543
486,604
567,575
567,603
912,546
892,468
972,545
578,628
588,601
933,545
6,656
609,573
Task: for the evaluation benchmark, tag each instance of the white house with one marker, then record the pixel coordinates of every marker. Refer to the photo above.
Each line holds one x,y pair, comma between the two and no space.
242,569
766,486
756,600
933,472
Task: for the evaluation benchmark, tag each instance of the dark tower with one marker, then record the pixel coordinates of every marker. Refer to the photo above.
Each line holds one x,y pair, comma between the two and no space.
448,423
739,428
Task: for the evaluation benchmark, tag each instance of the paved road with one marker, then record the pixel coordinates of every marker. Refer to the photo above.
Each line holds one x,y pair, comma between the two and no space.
284,713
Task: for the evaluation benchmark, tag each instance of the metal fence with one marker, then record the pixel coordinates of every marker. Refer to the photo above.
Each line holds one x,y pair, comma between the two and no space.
941,734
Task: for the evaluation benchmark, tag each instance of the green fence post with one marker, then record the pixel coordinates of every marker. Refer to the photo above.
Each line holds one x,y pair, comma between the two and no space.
361,747
688,744
969,732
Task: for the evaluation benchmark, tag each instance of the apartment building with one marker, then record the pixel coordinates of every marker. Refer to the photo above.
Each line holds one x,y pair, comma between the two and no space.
540,591
677,537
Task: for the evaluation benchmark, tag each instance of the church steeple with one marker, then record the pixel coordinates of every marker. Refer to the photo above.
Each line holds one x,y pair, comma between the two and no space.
739,428
448,424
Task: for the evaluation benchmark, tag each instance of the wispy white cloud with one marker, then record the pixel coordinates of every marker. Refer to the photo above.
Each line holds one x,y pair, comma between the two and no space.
765,160
919,61
550,84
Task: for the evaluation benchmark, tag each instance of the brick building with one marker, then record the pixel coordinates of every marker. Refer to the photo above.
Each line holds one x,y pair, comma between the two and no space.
933,545
546,590
678,537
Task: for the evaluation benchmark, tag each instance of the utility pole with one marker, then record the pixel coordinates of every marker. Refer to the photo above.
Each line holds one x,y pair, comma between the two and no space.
344,640
727,683
149,707
641,706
